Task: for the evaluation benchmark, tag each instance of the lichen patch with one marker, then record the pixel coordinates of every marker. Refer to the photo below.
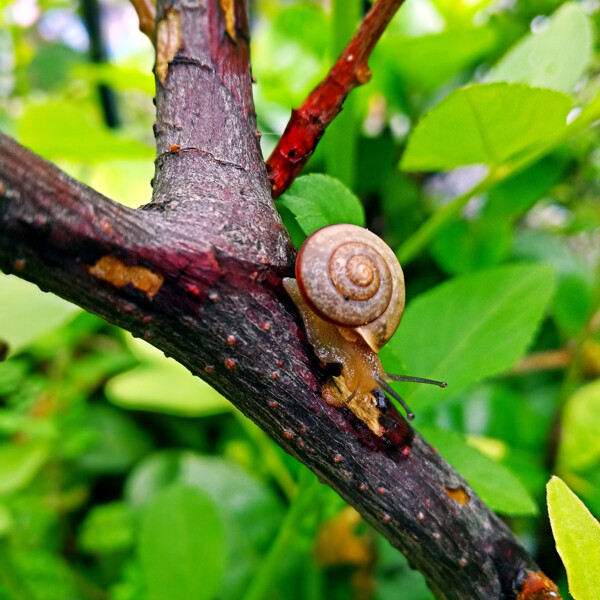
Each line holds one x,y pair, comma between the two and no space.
459,494
111,269
168,42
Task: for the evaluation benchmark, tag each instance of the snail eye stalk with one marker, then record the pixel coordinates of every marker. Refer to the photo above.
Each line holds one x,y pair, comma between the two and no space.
383,383
391,377
410,415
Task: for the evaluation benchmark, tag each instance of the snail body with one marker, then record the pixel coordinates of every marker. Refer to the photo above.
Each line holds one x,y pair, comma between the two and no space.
349,289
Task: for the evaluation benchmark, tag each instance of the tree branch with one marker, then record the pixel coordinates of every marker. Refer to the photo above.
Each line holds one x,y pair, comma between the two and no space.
197,273
308,123
146,12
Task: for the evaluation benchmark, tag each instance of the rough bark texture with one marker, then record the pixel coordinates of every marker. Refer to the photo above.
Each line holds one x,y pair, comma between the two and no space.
197,272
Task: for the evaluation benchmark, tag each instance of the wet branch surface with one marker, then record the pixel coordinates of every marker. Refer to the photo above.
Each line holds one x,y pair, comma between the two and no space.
197,272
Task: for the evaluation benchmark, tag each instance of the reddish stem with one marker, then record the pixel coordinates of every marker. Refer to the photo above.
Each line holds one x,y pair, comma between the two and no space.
308,123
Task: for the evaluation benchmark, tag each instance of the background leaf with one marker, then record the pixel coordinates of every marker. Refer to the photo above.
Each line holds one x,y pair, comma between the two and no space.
573,300
250,511
514,195
485,124
181,545
117,442
580,438
28,313
469,328
108,528
160,384
554,58
577,536
169,389
118,77
429,60
242,495
464,246
59,130
20,463
318,200
492,482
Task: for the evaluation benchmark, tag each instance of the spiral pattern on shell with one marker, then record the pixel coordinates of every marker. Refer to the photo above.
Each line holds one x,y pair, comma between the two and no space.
360,274
351,278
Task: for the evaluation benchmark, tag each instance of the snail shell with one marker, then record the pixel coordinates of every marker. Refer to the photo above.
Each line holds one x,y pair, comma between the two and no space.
351,278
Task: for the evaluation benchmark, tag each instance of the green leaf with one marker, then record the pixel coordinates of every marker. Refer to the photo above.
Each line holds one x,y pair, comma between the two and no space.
43,574
469,328
577,536
117,442
115,76
164,386
6,520
252,505
344,131
298,236
182,545
50,66
318,200
460,12
59,130
516,194
573,300
19,464
303,22
169,390
131,585
492,482
392,573
554,58
580,434
251,512
27,313
488,124
126,181
429,60
297,33
463,246
108,528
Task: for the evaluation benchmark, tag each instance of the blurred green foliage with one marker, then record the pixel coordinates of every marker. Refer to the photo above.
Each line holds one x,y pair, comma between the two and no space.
472,151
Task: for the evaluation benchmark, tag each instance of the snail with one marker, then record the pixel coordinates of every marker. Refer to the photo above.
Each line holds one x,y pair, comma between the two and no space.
349,289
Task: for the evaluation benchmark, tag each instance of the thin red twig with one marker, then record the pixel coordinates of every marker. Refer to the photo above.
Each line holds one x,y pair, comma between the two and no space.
308,123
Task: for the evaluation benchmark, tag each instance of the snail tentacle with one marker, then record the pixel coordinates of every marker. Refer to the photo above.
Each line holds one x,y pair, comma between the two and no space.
389,390
392,377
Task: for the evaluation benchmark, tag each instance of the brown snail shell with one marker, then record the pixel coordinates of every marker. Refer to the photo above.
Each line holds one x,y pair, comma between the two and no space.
350,277
349,289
